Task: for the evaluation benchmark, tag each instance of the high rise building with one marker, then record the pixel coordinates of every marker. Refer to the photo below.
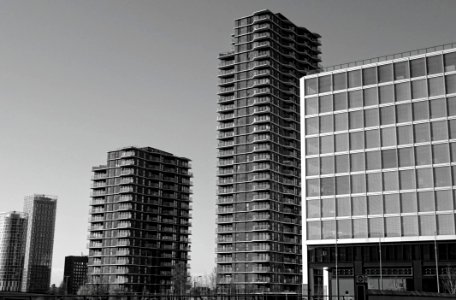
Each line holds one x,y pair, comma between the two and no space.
379,156
140,221
259,203
12,241
40,211
74,273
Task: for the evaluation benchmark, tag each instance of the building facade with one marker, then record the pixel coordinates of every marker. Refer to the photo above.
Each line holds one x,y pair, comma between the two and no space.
13,227
40,211
74,273
379,172
140,221
259,203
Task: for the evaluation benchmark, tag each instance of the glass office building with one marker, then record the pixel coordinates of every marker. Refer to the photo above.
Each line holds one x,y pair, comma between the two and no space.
379,172
259,202
40,211
139,238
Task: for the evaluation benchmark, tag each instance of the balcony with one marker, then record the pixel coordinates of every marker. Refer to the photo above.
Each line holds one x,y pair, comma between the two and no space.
225,90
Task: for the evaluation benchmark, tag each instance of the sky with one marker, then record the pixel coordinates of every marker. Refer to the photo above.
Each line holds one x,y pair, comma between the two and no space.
81,78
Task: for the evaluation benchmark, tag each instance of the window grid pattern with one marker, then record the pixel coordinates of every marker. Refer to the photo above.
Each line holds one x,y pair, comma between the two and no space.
381,147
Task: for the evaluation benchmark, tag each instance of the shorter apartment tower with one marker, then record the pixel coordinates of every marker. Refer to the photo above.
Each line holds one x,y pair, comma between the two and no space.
40,211
140,221
74,273
379,173
12,241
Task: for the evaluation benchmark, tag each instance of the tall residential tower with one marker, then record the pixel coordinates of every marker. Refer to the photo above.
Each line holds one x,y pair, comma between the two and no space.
13,226
379,155
40,211
140,221
259,203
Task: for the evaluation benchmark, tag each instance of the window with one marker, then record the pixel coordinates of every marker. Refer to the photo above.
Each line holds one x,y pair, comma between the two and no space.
453,151
408,202
324,84
401,70
406,158
311,146
390,181
410,226
358,183
326,104
340,81
444,200
344,230
439,130
327,188
403,91
419,89
388,136
386,94
421,132
342,163
343,207
311,106
436,86
355,99
359,206
375,227
424,178
371,117
423,155
393,226
327,165
385,73
312,166
369,76
356,140
328,207
357,162
329,229
417,67
450,61
312,188
387,115
375,205
450,81
312,125
311,86
420,111
373,160
327,144
452,124
451,106
374,182
445,224
341,121
442,176
405,135
404,113
427,225
370,96
340,101
426,201
341,142
354,78
360,228
372,138
326,124
356,119
313,208
434,64
314,230
407,179
438,108
389,159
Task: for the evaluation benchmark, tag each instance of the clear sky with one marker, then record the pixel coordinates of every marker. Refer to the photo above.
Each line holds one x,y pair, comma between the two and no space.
80,78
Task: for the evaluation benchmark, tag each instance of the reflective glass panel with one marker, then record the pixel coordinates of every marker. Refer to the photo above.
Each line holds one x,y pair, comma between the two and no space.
340,101
385,73
450,62
328,207
311,146
450,82
311,86
370,96
427,225
326,124
312,125
444,200
371,117
327,145
356,140
423,155
313,208
420,110
401,70
342,163
341,121
424,178
343,185
410,226
422,132
329,229
426,201
442,176
438,108
369,76
419,89
344,229
373,160
358,183
390,181
375,205
360,228
314,230
312,167
324,84
357,162
393,226
343,207
405,135
356,119
434,64
312,188
387,115
340,81
389,159
341,142
374,182
354,78
359,206
327,164
311,106
326,104
445,224
372,138
404,113
403,91
439,130
355,99
408,202
436,86
327,187
417,67
376,227
407,179
406,158
386,94
388,136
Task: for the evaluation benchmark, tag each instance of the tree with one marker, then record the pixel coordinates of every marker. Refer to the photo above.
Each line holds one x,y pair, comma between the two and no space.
93,290
448,280
180,279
